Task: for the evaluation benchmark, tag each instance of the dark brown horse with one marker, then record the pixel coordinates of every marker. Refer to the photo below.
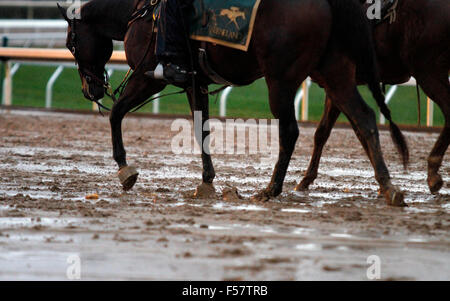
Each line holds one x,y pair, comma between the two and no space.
417,44
327,39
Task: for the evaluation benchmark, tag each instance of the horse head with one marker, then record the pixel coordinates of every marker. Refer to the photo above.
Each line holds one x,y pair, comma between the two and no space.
91,51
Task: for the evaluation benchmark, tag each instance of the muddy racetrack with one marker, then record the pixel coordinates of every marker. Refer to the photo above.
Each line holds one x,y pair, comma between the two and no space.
50,162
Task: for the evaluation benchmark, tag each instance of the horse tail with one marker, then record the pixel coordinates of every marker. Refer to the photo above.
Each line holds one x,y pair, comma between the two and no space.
353,35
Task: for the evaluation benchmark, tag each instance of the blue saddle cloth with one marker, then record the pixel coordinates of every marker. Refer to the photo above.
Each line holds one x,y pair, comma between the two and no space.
224,22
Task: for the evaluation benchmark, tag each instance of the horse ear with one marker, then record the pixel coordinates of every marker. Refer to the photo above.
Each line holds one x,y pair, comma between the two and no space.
63,12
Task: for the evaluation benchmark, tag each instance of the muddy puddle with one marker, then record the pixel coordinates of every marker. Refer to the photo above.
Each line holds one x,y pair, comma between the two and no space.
50,163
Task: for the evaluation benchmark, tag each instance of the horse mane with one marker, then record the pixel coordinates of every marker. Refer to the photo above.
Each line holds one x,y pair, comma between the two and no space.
96,10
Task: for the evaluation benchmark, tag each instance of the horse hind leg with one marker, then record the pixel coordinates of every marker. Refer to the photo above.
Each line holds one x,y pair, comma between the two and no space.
329,117
281,98
438,89
363,122
339,82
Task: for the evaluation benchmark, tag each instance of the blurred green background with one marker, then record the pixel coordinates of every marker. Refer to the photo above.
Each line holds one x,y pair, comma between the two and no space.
247,102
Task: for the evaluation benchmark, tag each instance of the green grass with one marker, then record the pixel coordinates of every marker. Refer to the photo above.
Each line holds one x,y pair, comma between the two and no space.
245,102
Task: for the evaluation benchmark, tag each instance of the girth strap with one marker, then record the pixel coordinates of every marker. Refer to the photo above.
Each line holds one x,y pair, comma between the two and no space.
206,68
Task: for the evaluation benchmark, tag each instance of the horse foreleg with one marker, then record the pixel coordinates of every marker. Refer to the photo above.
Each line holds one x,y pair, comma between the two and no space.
438,89
281,98
329,117
137,91
199,103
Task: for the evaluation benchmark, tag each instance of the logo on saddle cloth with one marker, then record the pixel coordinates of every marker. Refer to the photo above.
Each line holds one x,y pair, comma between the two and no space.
233,13
228,22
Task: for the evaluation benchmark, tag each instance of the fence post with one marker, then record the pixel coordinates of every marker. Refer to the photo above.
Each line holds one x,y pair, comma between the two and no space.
2,71
7,85
49,88
156,104
387,99
430,112
305,102
223,101
297,102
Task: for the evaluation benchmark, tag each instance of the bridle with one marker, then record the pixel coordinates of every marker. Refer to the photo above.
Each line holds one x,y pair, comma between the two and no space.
89,76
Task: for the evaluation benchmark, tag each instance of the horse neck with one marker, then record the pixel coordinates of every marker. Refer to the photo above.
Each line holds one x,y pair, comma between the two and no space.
111,21
110,30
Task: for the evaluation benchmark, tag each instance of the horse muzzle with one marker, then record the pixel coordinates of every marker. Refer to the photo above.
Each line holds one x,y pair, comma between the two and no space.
92,91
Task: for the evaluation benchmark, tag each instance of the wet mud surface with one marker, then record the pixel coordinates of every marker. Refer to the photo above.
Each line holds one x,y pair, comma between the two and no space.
50,163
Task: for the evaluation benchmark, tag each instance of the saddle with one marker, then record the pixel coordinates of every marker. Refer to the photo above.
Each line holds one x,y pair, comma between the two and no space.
227,23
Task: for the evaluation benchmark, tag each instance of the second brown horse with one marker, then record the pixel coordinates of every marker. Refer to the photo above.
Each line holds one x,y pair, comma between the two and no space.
417,44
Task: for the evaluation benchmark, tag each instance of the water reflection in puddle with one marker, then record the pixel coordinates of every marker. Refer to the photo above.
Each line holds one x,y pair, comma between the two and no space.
420,210
309,247
223,206
42,237
302,231
6,222
66,167
341,235
295,210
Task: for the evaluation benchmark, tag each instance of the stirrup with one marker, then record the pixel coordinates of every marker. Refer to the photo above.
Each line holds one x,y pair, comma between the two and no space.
157,74
170,73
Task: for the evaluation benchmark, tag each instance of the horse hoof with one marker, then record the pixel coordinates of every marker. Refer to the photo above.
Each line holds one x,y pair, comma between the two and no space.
435,183
262,196
302,186
128,176
395,198
205,191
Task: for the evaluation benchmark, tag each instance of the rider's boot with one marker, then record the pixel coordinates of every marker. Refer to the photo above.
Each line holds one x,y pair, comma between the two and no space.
170,71
172,43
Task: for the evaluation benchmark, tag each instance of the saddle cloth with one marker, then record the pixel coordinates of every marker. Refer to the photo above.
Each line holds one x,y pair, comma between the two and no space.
224,22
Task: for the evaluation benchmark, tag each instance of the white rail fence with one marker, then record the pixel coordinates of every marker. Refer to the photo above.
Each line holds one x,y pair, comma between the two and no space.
30,6
14,58
40,33
9,25
33,4
302,101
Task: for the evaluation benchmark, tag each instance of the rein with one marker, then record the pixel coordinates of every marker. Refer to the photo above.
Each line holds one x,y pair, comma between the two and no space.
141,13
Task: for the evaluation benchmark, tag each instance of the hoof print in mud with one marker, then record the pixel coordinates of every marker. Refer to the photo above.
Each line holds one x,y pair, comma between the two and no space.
128,176
262,196
231,194
204,191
